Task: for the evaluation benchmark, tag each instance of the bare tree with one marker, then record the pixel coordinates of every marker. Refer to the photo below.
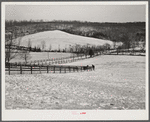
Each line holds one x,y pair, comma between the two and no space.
59,48
50,47
26,55
126,40
29,44
114,44
107,46
38,49
43,45
91,52
71,48
11,47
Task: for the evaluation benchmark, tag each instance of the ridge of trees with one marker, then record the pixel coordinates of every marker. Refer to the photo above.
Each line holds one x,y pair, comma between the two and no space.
10,23
129,33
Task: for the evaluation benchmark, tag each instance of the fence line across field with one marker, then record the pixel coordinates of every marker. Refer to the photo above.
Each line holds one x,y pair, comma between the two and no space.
40,66
31,69
126,52
83,56
105,52
48,64
57,60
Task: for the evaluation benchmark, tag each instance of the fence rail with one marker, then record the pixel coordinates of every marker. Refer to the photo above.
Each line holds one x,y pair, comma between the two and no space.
51,65
125,52
34,69
53,61
48,65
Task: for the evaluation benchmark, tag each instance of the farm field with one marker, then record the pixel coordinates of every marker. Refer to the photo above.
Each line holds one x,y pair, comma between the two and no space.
56,38
118,82
42,56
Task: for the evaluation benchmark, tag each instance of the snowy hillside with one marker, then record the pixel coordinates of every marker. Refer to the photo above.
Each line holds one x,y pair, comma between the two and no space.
58,39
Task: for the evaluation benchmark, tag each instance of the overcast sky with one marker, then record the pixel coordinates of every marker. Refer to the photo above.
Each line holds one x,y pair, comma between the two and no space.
93,13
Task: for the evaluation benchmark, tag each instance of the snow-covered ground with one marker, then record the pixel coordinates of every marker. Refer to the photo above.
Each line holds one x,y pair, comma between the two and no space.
118,82
60,39
42,56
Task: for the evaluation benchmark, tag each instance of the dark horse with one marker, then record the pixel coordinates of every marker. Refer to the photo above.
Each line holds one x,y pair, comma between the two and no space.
86,67
93,67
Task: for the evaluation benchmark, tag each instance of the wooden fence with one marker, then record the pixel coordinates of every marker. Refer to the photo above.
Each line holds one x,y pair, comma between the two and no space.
36,69
54,61
51,65
125,52
48,65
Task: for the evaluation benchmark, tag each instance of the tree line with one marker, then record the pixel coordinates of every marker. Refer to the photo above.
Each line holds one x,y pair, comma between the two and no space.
128,33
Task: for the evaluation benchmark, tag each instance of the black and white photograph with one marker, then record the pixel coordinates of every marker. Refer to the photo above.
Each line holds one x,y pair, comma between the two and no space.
74,60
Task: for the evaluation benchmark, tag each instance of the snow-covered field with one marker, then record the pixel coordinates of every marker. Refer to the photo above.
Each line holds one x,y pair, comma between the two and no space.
56,38
118,82
42,56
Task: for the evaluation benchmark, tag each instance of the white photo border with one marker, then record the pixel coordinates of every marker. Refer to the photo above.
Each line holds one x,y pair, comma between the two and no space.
68,114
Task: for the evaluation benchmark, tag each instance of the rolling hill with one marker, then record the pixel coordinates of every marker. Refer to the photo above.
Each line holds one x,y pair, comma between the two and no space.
59,39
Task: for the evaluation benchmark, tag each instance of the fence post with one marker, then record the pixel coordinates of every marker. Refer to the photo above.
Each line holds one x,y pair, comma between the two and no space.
81,68
77,69
47,69
54,69
20,69
65,69
60,69
9,68
73,57
40,68
31,69
69,69
46,63
117,51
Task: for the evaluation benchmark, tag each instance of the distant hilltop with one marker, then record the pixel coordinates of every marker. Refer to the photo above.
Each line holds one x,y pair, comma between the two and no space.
127,33
59,40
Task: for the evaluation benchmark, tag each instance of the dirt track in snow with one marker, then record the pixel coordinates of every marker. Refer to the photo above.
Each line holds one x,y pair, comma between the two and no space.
117,83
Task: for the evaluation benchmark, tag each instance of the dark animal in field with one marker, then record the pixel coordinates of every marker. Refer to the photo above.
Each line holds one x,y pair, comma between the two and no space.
85,67
93,67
